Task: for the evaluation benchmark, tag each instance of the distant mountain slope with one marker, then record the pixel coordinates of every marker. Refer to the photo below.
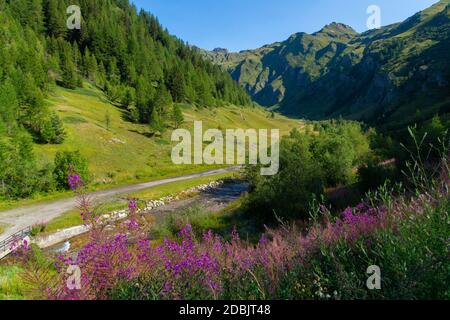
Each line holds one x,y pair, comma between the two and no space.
388,77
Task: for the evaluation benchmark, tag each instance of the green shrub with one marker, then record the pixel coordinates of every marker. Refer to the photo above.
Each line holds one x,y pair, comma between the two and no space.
288,193
308,164
53,130
413,258
18,170
373,176
169,225
66,160
37,229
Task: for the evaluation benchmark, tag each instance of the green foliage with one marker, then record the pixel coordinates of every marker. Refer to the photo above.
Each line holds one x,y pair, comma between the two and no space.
288,193
171,224
426,141
339,148
69,77
413,260
162,107
107,120
9,106
308,165
19,175
64,161
11,284
177,116
37,229
127,54
374,175
409,244
53,130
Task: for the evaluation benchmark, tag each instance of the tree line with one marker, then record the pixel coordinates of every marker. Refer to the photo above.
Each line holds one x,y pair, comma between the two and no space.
125,53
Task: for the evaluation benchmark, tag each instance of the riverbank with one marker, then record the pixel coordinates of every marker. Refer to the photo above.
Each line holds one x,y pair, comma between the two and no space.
18,219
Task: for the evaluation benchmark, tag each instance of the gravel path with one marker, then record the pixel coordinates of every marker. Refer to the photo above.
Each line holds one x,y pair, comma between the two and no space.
20,218
213,200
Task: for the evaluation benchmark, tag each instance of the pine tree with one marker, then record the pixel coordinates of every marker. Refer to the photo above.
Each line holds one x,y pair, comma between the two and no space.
178,117
163,103
69,78
8,106
64,161
145,94
32,103
55,14
176,84
53,130
87,64
129,97
107,120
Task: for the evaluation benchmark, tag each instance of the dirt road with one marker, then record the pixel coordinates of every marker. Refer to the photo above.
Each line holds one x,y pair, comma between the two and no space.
20,218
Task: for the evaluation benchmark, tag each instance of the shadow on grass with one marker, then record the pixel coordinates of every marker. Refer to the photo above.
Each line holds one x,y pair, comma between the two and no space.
221,223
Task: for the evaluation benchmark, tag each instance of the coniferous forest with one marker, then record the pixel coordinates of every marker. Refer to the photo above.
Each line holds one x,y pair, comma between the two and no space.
125,53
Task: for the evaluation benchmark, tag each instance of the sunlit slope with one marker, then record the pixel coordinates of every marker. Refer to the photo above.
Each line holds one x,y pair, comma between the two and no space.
126,152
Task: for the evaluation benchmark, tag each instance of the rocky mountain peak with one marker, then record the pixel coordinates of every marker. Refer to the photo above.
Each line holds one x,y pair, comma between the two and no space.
220,50
336,29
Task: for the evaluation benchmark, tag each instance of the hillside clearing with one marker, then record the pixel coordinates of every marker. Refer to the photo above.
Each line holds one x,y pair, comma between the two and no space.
126,153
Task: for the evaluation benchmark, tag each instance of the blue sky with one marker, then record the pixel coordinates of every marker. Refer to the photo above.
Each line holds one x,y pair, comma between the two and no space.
248,24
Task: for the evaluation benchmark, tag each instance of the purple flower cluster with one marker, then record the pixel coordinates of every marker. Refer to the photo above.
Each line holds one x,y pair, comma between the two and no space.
75,181
204,265
132,205
186,262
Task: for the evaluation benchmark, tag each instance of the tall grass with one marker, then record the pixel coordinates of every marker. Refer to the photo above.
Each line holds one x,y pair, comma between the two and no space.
405,235
10,283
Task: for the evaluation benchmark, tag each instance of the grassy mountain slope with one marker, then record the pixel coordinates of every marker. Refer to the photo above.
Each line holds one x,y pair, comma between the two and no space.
126,152
123,52
388,77
269,72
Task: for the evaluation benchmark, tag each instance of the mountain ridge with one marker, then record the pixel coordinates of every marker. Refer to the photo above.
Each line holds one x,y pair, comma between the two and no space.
376,76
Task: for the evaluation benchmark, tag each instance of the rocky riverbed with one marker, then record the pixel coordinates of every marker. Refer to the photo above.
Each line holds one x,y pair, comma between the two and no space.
214,197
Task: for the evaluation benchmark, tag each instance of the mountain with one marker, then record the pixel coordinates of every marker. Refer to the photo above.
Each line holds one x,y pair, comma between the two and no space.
388,77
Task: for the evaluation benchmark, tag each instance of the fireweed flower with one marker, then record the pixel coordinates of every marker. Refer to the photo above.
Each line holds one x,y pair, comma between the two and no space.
360,207
132,205
210,263
263,240
25,245
75,181
133,224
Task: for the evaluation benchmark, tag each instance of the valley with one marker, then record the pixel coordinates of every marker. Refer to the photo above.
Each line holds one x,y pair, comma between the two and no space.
389,78
127,153
114,186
